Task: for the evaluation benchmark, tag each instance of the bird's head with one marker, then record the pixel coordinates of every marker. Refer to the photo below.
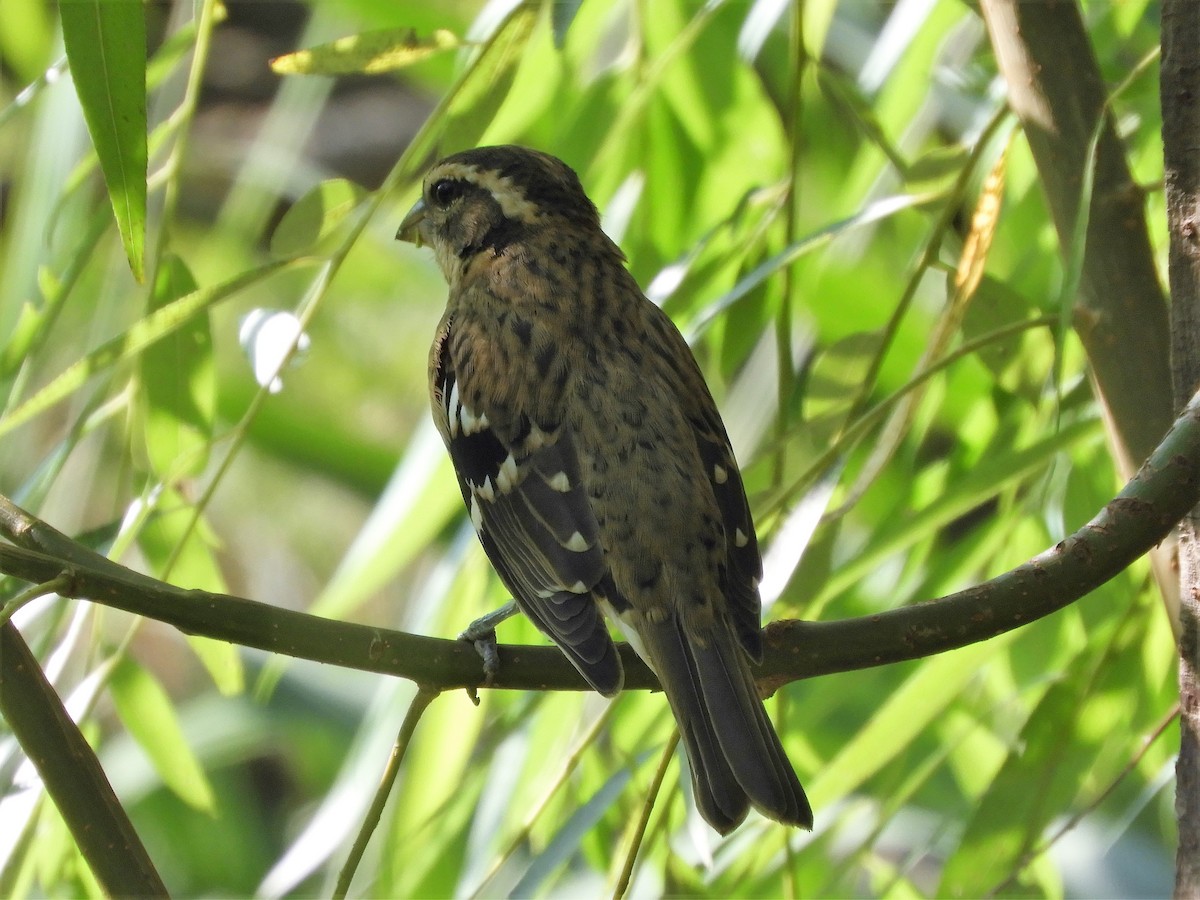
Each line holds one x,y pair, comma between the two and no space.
484,200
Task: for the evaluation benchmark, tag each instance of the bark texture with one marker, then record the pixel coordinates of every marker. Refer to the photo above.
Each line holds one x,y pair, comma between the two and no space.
1180,88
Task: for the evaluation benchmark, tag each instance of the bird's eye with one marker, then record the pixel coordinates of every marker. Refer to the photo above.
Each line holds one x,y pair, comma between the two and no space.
446,191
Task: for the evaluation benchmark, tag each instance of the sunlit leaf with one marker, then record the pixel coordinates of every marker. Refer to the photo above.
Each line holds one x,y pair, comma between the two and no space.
838,371
169,537
919,700
106,46
28,326
149,715
369,53
1035,784
983,228
315,216
485,90
147,331
178,384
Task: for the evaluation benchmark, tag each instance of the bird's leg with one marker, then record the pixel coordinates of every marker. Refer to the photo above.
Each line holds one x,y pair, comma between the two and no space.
482,633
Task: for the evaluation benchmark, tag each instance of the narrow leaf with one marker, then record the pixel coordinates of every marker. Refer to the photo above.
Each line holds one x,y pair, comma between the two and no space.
315,216
145,332
170,538
178,384
983,229
147,712
106,47
371,53
480,96
920,699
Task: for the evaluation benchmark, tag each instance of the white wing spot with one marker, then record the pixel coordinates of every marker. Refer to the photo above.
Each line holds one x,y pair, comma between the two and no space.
576,543
506,478
560,483
476,515
720,476
536,439
578,588
740,539
452,405
472,423
486,491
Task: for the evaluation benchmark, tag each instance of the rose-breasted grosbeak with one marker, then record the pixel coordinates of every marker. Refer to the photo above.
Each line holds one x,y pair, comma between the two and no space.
594,463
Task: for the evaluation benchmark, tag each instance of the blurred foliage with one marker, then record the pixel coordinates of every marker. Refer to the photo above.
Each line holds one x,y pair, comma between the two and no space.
795,183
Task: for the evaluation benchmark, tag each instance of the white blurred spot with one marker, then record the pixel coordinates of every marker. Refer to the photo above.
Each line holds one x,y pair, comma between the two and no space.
271,339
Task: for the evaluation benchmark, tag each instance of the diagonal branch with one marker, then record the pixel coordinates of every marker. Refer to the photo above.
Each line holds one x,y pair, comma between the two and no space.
72,774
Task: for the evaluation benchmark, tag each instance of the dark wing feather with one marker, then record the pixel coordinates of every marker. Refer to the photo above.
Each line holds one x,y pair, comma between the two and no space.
722,800
751,746
529,505
744,571
735,754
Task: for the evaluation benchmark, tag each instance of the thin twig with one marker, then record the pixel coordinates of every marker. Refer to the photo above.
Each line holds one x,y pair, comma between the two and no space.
420,703
638,831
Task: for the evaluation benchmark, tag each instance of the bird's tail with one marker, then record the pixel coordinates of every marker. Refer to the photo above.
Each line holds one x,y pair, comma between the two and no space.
735,755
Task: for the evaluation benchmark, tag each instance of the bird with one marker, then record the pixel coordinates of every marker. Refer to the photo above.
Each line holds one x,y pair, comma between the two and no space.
594,463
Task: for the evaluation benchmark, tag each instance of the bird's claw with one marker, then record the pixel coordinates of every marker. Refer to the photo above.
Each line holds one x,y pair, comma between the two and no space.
482,633
483,638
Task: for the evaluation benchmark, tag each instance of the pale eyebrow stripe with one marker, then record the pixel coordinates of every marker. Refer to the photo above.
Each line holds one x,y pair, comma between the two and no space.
511,198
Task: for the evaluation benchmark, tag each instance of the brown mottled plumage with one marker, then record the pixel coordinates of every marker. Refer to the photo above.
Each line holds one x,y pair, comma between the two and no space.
594,462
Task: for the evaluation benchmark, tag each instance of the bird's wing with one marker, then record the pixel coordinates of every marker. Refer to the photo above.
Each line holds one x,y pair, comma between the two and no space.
528,502
741,568
744,570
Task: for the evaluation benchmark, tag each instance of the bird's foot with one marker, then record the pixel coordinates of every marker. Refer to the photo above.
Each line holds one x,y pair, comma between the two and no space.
482,634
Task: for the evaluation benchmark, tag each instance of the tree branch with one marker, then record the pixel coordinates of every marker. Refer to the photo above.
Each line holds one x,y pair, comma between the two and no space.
72,774
1056,89
1145,511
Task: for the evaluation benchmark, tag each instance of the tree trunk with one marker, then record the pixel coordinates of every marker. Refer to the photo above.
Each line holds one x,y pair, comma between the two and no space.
1180,88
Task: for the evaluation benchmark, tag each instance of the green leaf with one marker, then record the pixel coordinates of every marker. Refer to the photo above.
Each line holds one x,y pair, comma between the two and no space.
1027,793
996,306
484,90
26,330
838,372
988,477
106,46
915,705
154,327
26,36
370,53
178,384
147,712
936,169
170,538
315,216
413,508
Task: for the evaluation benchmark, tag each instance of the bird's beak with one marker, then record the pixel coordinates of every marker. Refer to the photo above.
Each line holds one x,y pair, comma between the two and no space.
409,228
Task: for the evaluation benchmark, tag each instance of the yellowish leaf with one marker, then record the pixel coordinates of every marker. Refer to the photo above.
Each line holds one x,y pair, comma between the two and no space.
370,53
